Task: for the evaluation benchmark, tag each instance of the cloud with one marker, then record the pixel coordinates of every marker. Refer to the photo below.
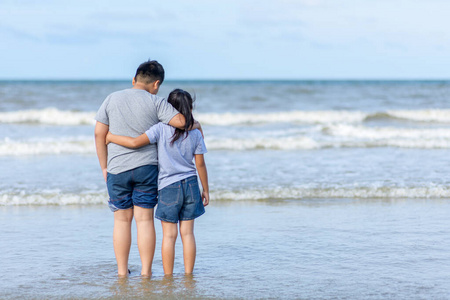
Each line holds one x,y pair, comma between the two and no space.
212,37
14,33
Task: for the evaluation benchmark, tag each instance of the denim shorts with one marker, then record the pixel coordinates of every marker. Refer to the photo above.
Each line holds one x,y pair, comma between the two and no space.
136,187
180,201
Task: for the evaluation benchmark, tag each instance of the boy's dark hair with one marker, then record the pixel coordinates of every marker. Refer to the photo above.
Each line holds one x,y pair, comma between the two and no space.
149,72
183,102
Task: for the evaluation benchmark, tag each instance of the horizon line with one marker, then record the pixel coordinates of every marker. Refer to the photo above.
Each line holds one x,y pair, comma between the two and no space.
222,79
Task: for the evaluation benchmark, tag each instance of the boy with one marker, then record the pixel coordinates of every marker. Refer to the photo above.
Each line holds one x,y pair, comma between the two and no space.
131,174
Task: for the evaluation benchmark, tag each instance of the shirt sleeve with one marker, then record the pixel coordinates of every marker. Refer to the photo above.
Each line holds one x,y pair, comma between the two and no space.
165,111
154,133
201,147
102,114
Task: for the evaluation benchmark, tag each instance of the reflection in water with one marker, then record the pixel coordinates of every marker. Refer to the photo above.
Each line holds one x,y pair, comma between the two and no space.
121,287
189,282
167,287
355,249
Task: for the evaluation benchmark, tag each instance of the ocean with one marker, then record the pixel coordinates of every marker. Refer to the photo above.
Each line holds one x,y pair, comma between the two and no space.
319,190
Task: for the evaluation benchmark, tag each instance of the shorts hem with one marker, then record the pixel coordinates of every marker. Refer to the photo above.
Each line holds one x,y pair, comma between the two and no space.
195,217
114,208
145,206
165,220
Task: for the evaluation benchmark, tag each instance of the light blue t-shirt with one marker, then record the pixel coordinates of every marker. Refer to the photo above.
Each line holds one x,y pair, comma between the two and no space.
175,161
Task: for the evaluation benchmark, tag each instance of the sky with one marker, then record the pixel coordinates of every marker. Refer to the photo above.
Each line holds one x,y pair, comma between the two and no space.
232,39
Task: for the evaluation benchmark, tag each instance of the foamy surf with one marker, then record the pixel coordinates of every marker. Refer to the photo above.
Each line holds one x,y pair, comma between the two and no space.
374,133
427,115
324,117
336,136
291,193
48,116
286,144
10,147
252,194
53,116
53,198
306,117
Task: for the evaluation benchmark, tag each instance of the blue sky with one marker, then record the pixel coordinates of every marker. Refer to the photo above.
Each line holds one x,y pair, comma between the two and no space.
283,39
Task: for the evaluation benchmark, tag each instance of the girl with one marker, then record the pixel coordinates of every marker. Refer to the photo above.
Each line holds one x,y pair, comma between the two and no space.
179,194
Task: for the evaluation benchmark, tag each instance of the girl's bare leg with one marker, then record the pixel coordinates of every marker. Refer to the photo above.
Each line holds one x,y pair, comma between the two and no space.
170,232
189,247
122,239
146,237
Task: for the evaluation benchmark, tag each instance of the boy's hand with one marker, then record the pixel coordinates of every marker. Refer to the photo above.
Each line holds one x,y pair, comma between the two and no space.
107,138
198,126
205,198
105,174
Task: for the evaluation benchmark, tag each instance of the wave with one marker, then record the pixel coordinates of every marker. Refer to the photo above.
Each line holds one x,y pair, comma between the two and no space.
334,193
287,143
304,117
53,198
428,115
322,137
325,117
377,133
53,116
340,136
274,194
47,147
310,144
48,116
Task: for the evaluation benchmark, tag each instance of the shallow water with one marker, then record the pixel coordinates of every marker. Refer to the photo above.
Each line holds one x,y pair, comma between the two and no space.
320,190
304,249
266,139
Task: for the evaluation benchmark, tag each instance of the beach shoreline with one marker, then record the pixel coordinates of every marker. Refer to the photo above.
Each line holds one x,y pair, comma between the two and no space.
313,249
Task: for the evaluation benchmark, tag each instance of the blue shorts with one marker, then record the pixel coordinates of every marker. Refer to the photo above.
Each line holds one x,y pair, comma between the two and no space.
136,187
180,201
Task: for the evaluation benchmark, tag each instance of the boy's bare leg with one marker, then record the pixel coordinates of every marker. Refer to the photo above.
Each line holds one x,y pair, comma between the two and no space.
189,247
122,239
170,232
146,237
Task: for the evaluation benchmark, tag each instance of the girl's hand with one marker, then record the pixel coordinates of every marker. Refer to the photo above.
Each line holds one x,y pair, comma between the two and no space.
205,198
107,138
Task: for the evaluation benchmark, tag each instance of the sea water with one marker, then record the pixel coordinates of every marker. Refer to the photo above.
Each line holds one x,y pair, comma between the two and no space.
320,190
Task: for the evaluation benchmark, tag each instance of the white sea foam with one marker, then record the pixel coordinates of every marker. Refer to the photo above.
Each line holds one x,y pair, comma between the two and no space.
362,136
283,193
330,136
308,144
341,136
280,193
364,132
53,198
306,117
324,117
53,116
75,145
286,143
48,116
428,115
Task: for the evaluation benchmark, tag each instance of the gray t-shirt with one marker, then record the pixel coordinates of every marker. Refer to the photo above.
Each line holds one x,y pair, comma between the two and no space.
175,161
131,112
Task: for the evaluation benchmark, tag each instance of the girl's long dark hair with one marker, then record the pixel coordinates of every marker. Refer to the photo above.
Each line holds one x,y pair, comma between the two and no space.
183,102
